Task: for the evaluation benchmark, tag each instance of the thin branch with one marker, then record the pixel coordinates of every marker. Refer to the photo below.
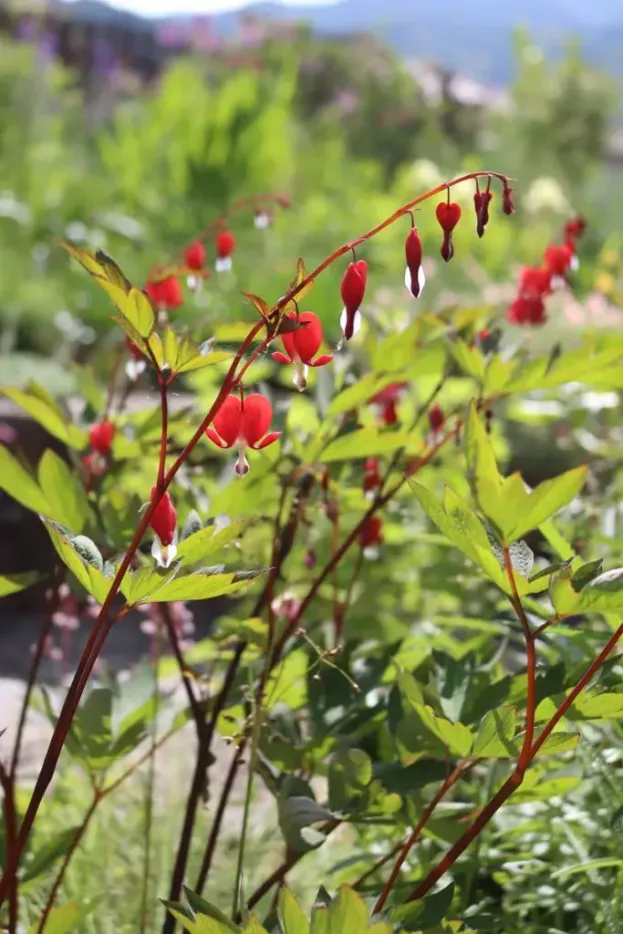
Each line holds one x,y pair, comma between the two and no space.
524,756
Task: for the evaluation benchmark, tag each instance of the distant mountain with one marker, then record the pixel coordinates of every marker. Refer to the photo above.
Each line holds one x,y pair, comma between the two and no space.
473,38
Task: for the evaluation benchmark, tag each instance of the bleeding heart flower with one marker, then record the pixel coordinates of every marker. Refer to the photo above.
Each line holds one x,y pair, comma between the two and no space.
101,437
353,290
482,200
301,345
508,203
387,400
195,255
436,419
166,294
225,244
535,282
243,423
371,476
558,258
164,525
527,311
371,535
262,220
448,214
414,274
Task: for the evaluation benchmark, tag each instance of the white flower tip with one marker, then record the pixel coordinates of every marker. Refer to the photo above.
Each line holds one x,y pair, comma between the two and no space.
300,376
163,317
371,553
558,282
262,220
421,278
134,368
223,264
206,347
574,265
356,322
242,465
163,555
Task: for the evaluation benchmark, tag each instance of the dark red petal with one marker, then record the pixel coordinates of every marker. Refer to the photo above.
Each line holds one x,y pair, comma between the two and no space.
353,286
225,243
228,420
287,339
279,357
257,414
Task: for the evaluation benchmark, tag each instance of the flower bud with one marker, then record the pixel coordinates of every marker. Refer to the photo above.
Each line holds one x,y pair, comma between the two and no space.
101,437
414,275
195,255
353,290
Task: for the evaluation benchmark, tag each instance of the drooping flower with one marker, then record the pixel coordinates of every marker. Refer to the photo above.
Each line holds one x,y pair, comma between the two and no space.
195,255
371,476
535,282
243,423
508,203
482,200
575,228
527,311
101,437
353,290
558,258
371,535
301,346
387,400
414,274
448,215
225,244
436,419
164,526
166,294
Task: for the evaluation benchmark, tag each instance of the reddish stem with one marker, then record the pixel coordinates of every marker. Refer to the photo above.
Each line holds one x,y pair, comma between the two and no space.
417,830
350,246
516,778
102,627
208,856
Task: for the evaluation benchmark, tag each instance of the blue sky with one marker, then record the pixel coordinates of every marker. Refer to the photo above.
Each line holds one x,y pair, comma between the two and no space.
164,7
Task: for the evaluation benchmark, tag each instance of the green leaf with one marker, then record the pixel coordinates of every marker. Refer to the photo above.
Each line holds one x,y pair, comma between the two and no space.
201,586
361,391
495,733
601,707
585,574
44,857
61,920
38,403
350,774
470,359
199,906
604,594
426,913
18,483
365,442
547,499
207,541
13,583
63,491
90,576
347,913
455,737
291,917
299,820
137,586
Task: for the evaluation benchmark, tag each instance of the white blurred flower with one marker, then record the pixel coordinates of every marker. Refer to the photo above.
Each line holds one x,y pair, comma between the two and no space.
546,194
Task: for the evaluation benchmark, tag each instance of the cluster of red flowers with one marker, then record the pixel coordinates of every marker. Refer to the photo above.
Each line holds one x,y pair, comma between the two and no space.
448,215
536,283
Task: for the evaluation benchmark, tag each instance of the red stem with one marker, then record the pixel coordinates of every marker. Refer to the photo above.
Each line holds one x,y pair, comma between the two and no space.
516,778
415,833
102,627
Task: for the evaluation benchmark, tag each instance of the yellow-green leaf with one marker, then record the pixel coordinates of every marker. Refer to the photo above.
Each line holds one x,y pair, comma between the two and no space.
20,484
63,491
